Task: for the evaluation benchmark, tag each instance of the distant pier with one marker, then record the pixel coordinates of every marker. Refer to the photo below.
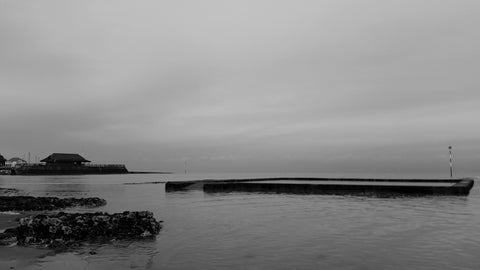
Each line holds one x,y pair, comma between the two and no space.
56,169
63,164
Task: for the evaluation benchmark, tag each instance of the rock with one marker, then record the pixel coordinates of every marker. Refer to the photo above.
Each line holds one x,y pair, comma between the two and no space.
29,203
8,237
63,230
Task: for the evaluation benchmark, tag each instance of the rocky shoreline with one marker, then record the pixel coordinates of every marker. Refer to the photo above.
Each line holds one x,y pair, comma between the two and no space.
61,230
29,203
65,230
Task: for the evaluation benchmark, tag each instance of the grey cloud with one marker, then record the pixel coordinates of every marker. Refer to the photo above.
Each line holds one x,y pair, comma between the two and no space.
244,85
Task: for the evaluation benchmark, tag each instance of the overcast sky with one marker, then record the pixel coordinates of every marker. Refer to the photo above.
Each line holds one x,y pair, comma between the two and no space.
244,86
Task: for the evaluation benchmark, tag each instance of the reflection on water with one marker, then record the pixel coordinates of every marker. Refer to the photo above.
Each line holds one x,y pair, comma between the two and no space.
269,231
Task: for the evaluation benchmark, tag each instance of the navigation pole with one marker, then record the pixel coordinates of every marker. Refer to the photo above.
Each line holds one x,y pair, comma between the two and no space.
451,162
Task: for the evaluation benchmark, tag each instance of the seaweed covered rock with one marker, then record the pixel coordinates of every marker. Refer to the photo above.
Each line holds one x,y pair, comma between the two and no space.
29,203
8,237
70,229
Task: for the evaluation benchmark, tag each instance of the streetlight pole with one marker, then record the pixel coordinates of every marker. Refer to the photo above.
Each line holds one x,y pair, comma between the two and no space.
451,162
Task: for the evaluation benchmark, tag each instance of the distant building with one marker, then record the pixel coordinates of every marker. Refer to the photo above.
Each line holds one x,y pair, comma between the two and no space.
64,159
2,160
15,161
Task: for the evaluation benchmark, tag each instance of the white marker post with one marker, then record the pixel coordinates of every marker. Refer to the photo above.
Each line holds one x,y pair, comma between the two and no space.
451,162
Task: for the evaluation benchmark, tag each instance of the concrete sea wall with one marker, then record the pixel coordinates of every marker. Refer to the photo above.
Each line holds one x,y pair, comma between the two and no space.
375,187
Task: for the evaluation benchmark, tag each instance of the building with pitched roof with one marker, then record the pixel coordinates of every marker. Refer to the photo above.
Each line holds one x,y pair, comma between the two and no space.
65,159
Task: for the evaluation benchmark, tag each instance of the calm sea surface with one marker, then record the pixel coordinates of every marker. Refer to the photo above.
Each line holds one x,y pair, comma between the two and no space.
268,231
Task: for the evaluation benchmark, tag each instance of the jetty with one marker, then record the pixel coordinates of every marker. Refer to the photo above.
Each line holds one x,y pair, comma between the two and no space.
331,186
63,164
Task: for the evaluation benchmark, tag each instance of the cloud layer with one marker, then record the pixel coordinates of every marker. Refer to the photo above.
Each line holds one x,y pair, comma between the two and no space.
283,86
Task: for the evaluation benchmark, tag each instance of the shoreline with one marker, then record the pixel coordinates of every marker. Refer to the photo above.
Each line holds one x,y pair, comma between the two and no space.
12,257
20,257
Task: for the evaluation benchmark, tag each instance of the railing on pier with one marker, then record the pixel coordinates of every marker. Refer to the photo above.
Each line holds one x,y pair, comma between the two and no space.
29,164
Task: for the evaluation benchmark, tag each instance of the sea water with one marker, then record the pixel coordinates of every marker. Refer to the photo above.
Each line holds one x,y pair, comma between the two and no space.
266,231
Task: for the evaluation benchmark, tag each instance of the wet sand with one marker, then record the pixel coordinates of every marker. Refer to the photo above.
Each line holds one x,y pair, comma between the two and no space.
15,257
19,257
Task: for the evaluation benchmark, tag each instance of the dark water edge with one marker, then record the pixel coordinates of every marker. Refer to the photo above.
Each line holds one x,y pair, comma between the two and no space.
263,231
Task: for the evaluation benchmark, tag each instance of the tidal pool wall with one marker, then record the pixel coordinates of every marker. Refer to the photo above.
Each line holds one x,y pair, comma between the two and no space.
331,186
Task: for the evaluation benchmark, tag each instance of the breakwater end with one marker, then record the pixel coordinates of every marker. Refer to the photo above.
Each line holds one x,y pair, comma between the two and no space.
331,186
